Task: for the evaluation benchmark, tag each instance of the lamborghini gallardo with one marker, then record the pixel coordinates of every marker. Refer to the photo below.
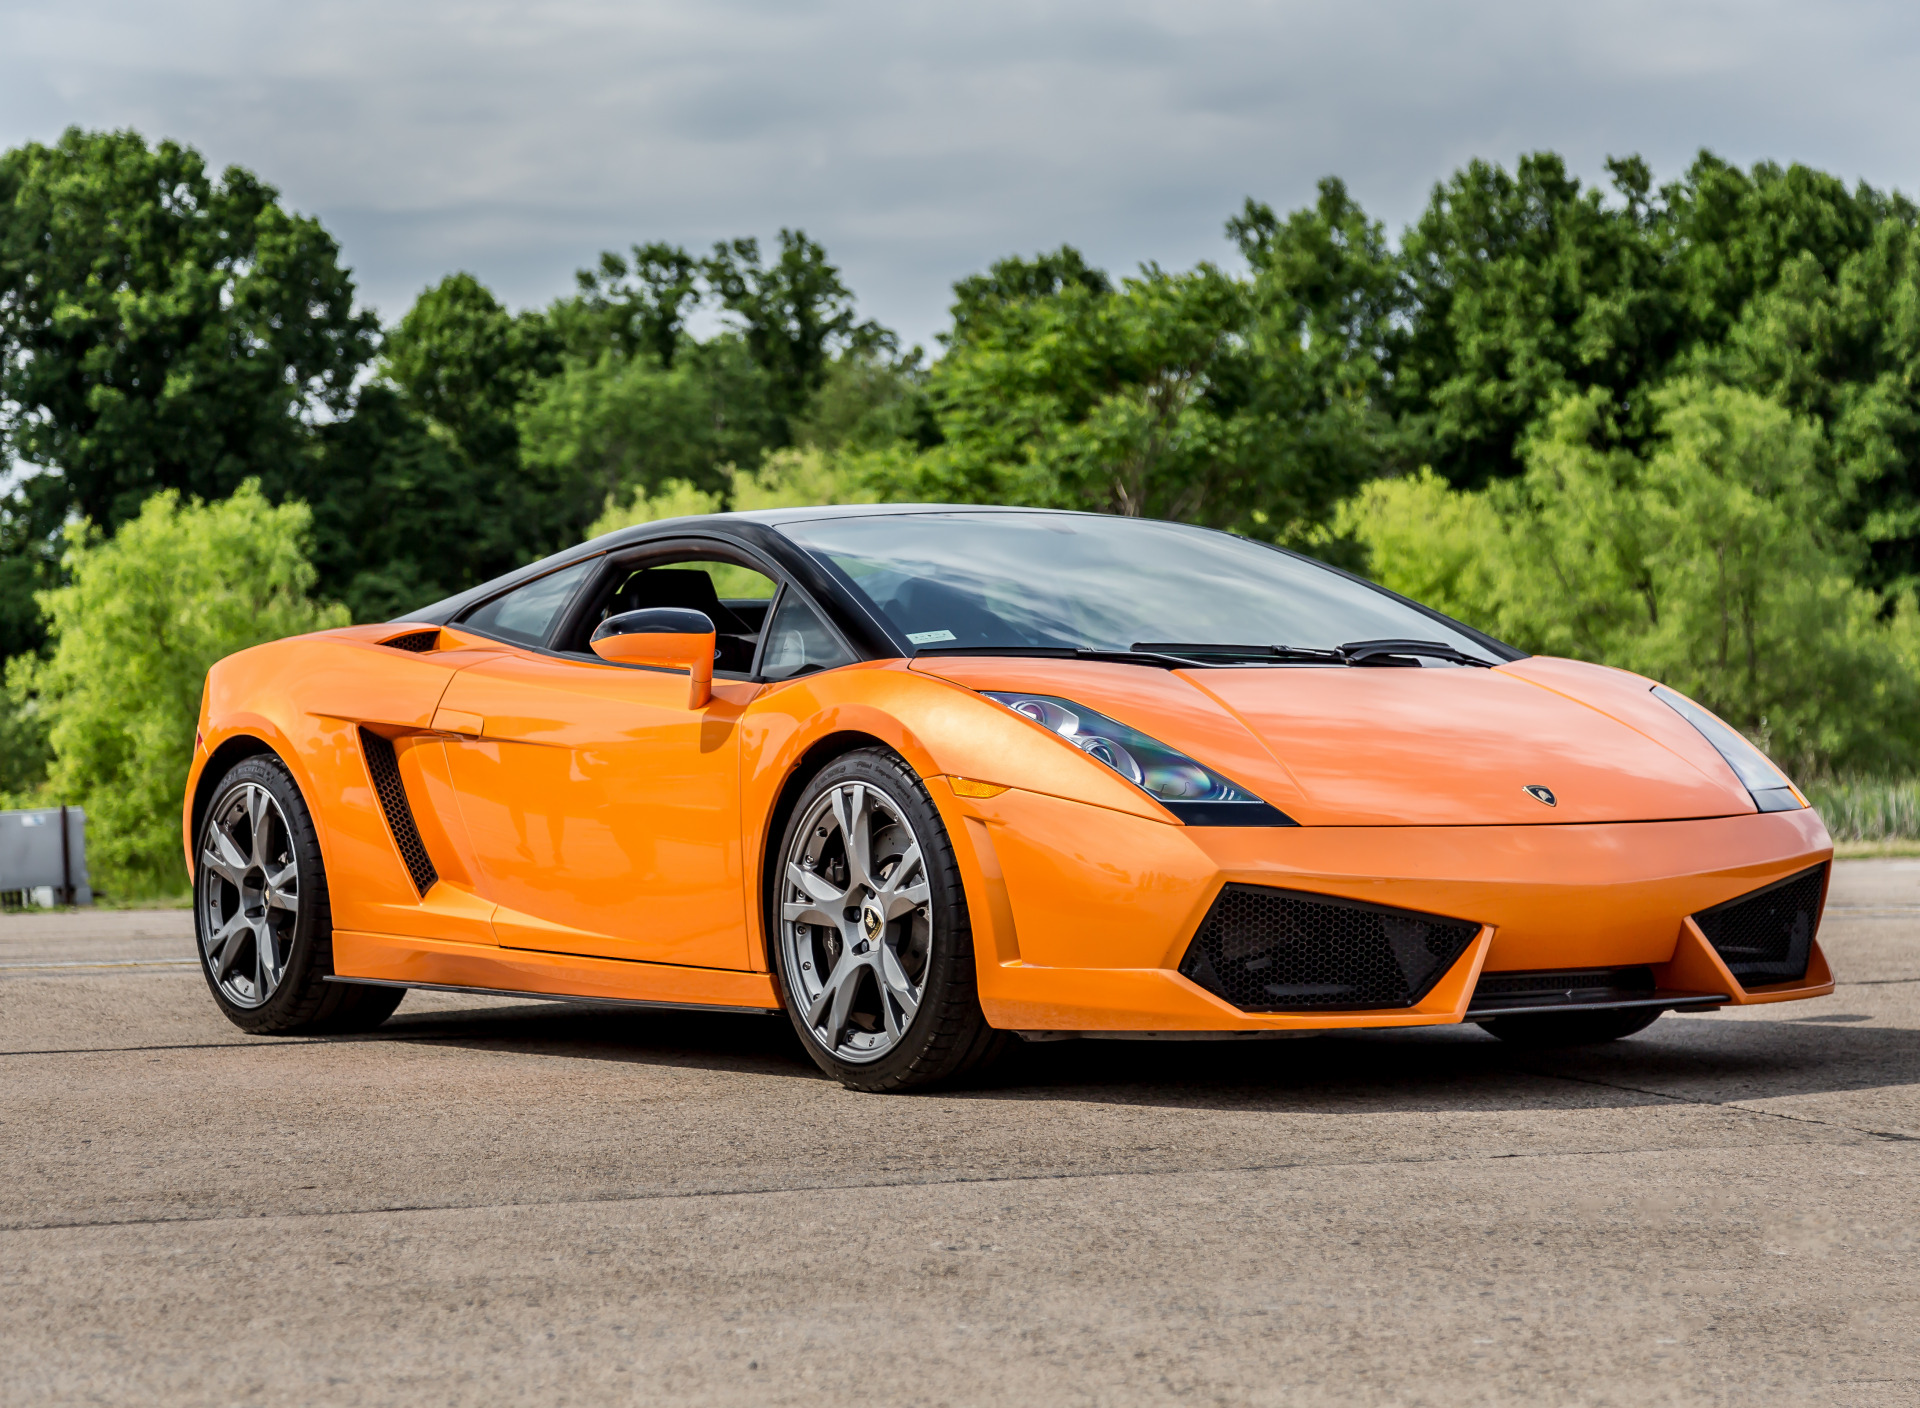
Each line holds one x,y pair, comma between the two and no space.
927,779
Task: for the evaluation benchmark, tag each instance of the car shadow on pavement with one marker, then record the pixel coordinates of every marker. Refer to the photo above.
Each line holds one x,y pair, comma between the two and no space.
746,1041
1462,1068
1434,1069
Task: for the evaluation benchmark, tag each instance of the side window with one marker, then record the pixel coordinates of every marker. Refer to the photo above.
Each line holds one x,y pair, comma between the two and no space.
524,614
733,597
798,642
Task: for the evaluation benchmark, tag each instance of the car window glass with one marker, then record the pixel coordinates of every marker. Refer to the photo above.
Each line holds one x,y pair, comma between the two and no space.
798,642
733,597
524,614
958,580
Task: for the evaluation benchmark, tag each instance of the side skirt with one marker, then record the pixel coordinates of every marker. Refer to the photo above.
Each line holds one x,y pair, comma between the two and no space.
413,962
562,997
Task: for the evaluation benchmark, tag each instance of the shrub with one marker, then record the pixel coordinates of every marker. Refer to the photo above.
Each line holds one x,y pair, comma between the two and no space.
145,616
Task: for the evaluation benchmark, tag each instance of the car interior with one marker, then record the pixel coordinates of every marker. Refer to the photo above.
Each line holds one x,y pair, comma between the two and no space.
738,618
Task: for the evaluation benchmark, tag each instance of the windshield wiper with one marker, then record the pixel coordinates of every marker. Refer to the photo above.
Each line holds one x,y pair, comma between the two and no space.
1184,655
1354,652
1207,654
1365,652
1060,652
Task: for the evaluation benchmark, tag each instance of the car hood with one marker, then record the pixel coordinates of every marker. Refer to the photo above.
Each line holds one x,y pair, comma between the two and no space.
1456,746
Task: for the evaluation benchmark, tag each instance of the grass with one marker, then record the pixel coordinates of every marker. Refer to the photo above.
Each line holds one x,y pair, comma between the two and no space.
1869,815
183,900
1874,850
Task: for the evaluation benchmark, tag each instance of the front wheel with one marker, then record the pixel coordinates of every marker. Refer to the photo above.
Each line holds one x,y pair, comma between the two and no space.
873,943
261,913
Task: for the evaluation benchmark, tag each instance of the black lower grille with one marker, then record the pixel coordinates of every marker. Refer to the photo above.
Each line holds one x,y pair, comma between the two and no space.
1569,983
384,768
1577,990
1268,950
1767,936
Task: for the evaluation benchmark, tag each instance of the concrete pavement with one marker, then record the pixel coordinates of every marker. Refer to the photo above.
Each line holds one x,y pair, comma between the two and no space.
500,1202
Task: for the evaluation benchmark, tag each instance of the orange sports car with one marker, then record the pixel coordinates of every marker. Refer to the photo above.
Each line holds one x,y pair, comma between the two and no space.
928,777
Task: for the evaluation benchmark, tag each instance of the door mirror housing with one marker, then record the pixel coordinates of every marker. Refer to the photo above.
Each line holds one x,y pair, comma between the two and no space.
662,638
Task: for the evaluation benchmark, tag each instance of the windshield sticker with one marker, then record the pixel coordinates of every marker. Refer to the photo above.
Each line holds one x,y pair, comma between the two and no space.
929,637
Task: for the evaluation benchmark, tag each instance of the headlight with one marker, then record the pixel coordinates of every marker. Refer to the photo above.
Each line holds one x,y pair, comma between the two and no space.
1764,782
1192,791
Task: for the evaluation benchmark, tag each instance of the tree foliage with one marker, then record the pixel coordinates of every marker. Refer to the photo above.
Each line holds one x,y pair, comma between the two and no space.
1712,561
134,632
160,328
1250,405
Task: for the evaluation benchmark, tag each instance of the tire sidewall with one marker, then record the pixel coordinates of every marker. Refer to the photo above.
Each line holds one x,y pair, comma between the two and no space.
312,925
951,957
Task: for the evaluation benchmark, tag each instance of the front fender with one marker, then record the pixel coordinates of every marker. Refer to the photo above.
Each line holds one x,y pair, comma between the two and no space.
943,730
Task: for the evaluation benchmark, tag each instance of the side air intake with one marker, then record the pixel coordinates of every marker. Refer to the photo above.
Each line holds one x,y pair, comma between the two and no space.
1267,950
1767,936
384,768
419,642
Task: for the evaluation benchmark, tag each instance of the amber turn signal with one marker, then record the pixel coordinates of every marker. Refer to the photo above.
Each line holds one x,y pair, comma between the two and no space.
967,787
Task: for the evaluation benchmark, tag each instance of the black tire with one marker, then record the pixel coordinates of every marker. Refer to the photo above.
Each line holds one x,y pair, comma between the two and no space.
1546,1030
947,1036
301,1001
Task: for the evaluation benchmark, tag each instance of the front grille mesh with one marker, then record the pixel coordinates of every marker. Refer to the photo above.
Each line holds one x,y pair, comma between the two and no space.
1564,983
384,768
419,642
1267,950
1767,936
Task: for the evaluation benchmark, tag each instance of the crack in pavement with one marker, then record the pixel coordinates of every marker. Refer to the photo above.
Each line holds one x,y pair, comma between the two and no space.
1888,1135
876,1185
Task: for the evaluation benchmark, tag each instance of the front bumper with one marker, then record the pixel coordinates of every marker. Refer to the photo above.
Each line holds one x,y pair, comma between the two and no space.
1082,915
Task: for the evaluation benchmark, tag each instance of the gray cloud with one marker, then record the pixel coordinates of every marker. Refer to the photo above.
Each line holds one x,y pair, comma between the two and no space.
920,141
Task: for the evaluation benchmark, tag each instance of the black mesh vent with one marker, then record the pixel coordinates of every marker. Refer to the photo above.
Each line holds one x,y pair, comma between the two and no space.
1565,983
1280,951
384,769
419,642
1767,936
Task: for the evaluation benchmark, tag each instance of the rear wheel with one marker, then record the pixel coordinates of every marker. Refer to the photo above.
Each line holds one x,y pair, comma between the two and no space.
1551,1029
872,939
261,913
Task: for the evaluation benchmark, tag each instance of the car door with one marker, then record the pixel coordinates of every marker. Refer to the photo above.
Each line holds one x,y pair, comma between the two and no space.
602,812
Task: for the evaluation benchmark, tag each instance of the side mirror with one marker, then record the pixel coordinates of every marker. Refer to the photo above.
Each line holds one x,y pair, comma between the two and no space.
663,637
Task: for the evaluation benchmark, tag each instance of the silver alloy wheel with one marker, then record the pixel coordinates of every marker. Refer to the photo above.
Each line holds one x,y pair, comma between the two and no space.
248,884
856,921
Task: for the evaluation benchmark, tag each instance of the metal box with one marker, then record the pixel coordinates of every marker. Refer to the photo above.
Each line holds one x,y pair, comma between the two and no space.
38,854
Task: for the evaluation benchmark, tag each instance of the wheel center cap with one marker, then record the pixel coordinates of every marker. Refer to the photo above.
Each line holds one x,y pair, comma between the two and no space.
872,921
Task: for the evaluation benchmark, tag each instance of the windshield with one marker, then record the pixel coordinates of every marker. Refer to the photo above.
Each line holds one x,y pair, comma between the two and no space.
971,580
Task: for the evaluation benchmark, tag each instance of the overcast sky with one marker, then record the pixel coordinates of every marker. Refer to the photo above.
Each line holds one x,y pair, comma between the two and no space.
919,142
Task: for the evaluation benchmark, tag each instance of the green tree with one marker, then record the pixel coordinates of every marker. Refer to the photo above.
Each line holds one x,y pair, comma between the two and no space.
466,364
1522,288
159,328
625,423
1191,395
632,306
424,489
870,398
1712,561
982,299
794,314
144,616
400,517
